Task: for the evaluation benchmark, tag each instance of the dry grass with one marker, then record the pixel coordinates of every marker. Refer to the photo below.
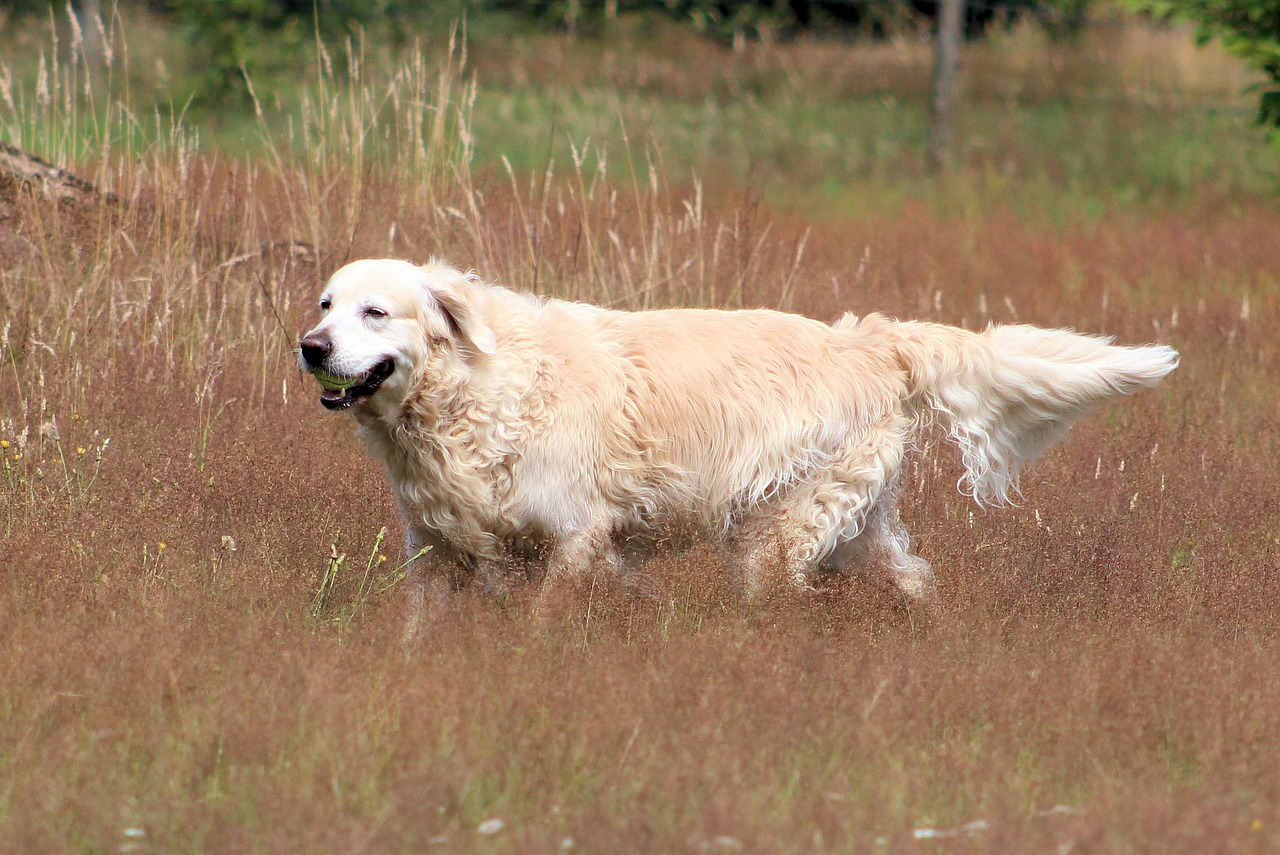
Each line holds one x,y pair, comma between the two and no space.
1101,676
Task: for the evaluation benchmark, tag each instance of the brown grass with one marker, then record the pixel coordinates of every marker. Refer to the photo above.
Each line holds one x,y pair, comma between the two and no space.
1101,676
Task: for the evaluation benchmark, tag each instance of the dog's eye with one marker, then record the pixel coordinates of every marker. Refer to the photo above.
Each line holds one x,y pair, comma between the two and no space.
324,305
373,312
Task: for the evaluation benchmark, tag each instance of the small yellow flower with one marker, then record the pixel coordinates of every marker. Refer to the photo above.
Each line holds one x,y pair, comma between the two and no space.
75,417
161,546
17,455
1257,825
4,443
80,450
381,558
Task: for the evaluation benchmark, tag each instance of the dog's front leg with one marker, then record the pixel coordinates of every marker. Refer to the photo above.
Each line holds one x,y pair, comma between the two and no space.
573,556
431,576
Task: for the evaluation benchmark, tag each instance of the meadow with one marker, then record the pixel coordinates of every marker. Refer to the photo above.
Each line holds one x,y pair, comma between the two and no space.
200,571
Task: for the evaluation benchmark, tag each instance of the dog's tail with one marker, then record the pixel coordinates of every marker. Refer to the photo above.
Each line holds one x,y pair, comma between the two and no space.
1006,394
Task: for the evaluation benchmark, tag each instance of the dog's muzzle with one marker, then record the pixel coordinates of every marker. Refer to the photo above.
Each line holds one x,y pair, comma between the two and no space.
340,391
337,392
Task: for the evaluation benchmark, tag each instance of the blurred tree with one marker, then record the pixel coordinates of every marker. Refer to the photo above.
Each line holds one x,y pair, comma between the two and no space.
25,7
942,107
727,20
1062,19
241,37
1250,29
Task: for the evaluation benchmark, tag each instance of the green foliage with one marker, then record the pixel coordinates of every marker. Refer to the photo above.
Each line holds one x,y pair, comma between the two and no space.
1250,29
241,37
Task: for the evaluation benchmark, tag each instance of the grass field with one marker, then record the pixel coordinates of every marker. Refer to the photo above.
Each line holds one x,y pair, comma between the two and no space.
1103,671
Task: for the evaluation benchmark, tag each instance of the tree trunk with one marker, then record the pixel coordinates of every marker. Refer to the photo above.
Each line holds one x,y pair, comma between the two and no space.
943,107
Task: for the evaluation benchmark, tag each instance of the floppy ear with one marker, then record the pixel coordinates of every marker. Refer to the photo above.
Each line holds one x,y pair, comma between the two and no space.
461,314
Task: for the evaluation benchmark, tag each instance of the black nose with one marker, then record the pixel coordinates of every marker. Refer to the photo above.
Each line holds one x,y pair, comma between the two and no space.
316,348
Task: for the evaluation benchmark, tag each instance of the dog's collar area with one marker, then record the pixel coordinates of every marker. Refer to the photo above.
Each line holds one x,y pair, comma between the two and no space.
341,399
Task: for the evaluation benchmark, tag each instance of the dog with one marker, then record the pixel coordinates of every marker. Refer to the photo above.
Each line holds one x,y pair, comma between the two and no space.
506,419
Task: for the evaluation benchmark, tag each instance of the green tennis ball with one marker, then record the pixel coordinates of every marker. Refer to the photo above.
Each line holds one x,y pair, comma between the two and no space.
334,383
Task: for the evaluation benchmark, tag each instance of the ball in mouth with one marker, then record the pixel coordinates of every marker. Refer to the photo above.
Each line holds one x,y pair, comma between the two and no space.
340,391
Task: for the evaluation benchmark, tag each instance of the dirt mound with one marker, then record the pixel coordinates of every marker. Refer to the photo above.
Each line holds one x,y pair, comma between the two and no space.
40,202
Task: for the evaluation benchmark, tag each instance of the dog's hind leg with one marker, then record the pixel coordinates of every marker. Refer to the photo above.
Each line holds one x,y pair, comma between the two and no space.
890,546
825,518
885,547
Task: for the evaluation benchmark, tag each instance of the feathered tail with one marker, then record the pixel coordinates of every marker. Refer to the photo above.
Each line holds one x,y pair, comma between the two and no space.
1006,394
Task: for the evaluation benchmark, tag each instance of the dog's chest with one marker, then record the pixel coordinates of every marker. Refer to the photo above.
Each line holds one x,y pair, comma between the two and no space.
455,480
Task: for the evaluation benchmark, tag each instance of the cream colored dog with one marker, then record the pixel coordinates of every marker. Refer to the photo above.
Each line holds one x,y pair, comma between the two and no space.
507,419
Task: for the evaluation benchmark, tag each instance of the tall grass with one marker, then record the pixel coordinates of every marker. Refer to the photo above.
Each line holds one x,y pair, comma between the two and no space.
203,260
191,664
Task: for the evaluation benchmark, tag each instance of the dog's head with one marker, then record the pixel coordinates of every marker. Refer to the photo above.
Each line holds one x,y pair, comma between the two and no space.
383,317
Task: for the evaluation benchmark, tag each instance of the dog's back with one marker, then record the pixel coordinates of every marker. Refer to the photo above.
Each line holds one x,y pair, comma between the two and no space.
747,402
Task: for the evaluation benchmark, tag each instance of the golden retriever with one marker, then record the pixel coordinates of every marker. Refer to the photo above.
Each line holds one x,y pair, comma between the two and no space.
506,419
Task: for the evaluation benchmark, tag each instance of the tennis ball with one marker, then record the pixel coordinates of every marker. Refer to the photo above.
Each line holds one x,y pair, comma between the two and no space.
333,382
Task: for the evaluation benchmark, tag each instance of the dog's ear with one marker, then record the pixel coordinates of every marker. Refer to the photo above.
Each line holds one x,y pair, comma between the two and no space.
461,315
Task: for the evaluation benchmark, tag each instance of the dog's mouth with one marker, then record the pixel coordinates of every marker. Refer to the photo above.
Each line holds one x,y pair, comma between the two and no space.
338,392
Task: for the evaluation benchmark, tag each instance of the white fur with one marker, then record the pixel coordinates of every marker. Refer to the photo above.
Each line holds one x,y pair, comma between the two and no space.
512,419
